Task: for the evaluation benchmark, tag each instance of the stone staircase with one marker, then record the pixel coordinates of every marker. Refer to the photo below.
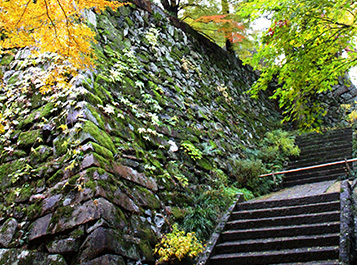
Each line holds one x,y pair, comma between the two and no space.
302,230
318,149
284,231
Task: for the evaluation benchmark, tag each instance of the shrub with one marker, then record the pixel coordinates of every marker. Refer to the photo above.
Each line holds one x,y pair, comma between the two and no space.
276,148
178,247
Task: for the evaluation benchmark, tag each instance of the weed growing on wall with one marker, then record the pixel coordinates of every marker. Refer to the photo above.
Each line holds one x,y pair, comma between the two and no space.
191,150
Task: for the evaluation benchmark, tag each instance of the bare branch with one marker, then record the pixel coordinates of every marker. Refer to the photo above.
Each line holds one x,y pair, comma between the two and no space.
23,13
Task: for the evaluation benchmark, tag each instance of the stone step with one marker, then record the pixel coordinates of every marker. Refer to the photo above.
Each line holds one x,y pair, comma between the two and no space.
277,256
278,243
321,159
323,262
316,172
313,150
288,202
334,135
284,211
324,142
307,140
284,220
290,183
281,231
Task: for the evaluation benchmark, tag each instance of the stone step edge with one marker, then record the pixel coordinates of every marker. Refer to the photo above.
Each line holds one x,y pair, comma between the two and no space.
279,239
284,227
333,196
307,179
289,207
327,134
347,138
275,252
290,217
318,262
317,171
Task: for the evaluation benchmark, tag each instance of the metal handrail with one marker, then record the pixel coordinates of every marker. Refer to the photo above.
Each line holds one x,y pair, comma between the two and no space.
309,167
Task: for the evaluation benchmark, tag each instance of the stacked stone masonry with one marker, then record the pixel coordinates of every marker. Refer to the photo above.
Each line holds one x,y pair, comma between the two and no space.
95,172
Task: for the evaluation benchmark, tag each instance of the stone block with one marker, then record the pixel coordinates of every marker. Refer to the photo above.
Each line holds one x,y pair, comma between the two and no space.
7,231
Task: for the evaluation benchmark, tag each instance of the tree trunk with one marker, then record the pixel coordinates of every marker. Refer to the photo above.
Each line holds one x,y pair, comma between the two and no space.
171,6
225,11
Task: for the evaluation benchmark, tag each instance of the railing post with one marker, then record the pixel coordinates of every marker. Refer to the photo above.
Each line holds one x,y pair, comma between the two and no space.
348,168
274,179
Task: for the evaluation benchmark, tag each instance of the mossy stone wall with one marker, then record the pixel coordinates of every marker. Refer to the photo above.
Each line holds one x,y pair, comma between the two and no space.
95,172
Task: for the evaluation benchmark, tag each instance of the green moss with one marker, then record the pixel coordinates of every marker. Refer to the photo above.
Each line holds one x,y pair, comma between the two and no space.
64,212
146,250
104,163
91,171
178,213
204,163
96,116
55,178
99,135
77,233
34,210
10,197
25,193
43,112
40,183
90,184
6,59
176,198
121,131
145,198
129,87
18,153
4,170
40,154
61,145
94,99
102,151
120,217
10,168
29,138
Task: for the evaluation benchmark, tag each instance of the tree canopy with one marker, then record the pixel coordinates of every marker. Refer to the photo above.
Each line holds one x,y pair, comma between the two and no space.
50,26
309,45
217,20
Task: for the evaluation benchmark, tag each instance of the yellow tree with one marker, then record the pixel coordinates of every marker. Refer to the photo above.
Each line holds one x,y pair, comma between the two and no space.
50,26
55,26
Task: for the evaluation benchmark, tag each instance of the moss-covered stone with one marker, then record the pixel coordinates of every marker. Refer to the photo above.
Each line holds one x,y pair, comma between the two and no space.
145,198
55,178
97,116
29,138
94,99
178,213
205,163
43,112
9,172
100,136
40,154
102,151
